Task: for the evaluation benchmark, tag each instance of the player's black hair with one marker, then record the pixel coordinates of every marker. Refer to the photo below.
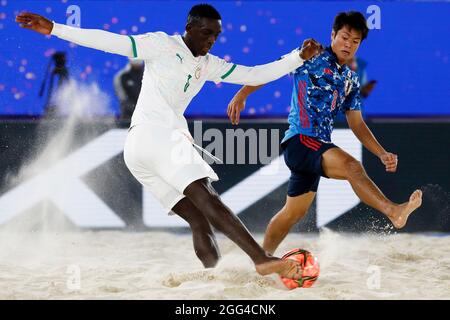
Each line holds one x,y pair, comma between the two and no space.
352,19
203,10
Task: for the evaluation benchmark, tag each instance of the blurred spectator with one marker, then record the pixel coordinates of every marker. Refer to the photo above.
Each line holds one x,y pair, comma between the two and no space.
56,68
127,85
359,66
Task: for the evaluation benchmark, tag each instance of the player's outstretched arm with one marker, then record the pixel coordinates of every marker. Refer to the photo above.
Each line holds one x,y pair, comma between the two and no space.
365,135
92,38
262,74
309,49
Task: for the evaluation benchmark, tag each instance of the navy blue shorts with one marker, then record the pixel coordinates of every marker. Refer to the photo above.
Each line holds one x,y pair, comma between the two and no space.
303,156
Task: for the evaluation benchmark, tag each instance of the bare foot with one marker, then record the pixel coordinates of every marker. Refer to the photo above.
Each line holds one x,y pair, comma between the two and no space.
401,212
285,268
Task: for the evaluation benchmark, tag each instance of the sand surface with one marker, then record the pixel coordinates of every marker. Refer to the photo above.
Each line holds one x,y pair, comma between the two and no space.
162,265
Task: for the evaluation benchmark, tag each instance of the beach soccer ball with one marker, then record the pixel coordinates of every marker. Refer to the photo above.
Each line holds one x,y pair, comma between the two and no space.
310,266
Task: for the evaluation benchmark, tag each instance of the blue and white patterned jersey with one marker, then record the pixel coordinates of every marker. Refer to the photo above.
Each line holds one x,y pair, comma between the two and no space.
322,88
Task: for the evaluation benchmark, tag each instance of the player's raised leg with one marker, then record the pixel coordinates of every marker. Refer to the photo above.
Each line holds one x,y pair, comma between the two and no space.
279,226
205,244
338,164
206,199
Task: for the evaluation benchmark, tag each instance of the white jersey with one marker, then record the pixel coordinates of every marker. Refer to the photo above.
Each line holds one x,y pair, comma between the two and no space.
172,77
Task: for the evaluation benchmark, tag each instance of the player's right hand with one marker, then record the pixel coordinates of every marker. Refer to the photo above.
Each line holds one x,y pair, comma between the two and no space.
236,105
390,160
35,22
310,48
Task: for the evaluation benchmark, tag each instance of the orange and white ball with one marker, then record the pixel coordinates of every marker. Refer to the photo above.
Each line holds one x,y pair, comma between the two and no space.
310,265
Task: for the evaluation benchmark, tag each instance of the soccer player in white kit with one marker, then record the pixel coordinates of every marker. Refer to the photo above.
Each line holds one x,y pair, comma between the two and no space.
158,149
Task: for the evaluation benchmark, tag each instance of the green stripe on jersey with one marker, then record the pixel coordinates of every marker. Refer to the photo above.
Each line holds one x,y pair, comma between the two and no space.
133,44
229,72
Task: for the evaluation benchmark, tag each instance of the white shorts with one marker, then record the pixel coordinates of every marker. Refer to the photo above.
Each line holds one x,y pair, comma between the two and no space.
164,161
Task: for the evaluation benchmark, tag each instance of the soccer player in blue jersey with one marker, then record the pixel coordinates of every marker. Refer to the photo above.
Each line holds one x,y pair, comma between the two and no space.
324,86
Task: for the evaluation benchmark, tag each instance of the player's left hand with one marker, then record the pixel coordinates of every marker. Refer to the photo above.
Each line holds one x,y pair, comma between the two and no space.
390,161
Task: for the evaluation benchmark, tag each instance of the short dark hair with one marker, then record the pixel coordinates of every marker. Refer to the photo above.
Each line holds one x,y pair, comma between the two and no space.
203,10
352,19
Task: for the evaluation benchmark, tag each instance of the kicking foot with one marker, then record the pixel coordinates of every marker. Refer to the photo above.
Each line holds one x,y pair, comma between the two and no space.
285,268
401,212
